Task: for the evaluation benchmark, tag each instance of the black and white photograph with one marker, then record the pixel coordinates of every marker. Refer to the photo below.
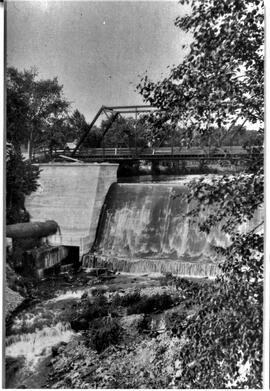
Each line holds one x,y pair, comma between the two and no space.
134,194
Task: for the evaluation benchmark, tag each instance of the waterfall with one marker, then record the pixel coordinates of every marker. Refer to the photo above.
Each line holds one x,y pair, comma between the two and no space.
39,343
144,228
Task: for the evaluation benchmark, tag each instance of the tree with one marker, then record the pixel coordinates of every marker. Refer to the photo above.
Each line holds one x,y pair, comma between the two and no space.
79,126
55,134
124,132
219,85
33,107
17,106
21,180
221,79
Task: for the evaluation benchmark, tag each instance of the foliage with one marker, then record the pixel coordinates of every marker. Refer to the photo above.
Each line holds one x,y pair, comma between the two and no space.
147,305
21,180
227,331
79,126
138,303
36,109
123,133
216,91
220,81
127,300
88,311
236,198
104,332
176,322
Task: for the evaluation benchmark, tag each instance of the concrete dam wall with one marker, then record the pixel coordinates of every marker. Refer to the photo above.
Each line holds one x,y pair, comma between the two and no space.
72,194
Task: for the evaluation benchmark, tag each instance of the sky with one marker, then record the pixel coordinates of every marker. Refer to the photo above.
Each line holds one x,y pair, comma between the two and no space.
97,49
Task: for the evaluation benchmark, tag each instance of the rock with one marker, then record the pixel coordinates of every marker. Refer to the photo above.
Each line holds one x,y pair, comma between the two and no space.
15,281
97,271
57,348
130,323
12,300
67,268
98,290
79,324
178,374
177,364
109,277
12,366
68,278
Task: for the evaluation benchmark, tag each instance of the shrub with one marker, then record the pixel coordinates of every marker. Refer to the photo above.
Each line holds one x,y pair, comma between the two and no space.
87,312
104,332
151,304
176,322
98,309
127,300
145,324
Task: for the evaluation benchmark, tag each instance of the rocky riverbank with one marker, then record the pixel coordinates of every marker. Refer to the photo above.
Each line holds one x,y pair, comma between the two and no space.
100,331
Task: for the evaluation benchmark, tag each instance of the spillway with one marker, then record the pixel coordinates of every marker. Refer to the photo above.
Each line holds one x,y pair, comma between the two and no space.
144,228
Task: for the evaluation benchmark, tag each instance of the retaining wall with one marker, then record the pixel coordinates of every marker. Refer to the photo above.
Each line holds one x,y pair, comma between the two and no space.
72,194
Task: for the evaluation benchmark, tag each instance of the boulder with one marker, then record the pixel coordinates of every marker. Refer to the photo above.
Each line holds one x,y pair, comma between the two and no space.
12,300
130,323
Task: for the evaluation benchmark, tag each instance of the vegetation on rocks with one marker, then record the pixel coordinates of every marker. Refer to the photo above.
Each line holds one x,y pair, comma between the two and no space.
104,332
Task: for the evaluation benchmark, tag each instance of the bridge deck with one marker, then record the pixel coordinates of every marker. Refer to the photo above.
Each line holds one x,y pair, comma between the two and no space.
164,153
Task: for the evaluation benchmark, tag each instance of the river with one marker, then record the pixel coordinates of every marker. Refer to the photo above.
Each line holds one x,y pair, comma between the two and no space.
143,228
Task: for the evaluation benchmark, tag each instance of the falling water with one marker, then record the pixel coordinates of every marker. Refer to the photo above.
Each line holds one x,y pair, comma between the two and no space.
144,228
32,346
35,331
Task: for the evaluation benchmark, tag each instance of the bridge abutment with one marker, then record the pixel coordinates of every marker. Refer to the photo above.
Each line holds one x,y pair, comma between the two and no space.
72,194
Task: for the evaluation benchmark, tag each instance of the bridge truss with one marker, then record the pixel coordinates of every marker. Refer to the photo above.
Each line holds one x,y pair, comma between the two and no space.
112,113
172,153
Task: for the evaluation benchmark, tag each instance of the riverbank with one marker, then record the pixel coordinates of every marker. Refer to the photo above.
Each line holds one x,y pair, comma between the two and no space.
50,341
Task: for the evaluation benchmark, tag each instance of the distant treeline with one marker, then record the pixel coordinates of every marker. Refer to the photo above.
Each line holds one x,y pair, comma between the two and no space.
39,115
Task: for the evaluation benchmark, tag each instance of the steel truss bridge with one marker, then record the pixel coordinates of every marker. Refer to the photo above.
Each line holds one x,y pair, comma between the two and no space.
173,153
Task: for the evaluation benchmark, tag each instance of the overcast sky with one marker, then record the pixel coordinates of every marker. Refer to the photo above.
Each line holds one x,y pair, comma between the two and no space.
96,49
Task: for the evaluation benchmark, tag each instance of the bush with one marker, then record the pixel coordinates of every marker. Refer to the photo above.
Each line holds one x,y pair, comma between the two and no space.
98,309
147,305
176,322
127,300
87,312
104,332
144,324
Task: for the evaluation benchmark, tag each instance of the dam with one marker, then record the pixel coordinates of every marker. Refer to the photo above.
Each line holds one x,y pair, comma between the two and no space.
129,227
143,228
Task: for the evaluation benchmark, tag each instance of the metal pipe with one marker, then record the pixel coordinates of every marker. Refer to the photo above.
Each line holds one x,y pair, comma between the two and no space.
32,230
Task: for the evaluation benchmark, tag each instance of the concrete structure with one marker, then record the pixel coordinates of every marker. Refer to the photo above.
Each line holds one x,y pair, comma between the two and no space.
37,260
72,194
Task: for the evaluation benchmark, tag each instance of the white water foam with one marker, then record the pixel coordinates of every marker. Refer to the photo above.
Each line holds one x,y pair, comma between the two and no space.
33,346
68,295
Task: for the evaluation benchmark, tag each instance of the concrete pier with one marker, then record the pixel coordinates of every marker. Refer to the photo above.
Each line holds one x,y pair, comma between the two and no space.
72,194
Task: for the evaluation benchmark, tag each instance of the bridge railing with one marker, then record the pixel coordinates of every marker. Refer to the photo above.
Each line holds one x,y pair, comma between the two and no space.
234,150
155,153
